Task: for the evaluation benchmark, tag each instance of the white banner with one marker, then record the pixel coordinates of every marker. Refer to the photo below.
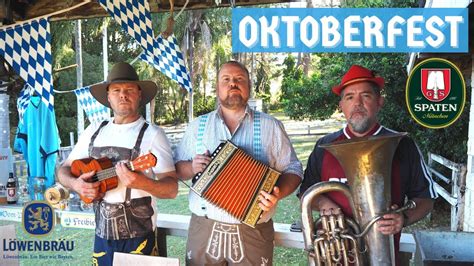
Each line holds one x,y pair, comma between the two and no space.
77,220
6,165
11,213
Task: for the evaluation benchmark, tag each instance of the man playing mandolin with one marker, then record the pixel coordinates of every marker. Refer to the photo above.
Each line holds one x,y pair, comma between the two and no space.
124,199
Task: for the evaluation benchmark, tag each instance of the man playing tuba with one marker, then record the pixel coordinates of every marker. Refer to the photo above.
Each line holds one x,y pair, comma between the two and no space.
360,103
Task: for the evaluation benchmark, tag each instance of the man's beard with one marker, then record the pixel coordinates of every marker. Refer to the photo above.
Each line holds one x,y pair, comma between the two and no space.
233,102
361,124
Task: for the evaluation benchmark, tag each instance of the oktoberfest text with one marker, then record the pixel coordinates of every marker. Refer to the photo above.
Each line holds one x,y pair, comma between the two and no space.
436,30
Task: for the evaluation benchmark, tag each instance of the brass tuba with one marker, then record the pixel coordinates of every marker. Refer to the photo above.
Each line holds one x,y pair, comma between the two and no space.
367,164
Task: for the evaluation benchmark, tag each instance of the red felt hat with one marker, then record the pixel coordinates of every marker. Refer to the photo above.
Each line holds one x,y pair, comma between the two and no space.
358,74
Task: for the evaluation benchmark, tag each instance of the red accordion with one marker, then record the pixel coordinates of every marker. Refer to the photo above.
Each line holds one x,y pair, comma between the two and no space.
233,180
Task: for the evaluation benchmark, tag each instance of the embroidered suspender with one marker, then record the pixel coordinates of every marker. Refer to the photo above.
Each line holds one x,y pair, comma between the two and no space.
257,135
200,134
257,138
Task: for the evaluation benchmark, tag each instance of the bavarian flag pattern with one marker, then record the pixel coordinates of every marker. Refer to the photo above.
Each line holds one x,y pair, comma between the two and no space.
95,111
169,60
27,48
164,54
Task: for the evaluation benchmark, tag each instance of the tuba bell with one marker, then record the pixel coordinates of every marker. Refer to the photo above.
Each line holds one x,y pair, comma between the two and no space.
338,240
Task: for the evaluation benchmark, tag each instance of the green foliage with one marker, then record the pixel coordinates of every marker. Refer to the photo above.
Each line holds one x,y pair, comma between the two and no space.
379,3
265,73
203,104
306,98
66,103
291,75
170,104
222,51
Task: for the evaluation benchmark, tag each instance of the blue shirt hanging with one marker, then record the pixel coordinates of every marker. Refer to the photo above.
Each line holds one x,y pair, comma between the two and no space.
38,139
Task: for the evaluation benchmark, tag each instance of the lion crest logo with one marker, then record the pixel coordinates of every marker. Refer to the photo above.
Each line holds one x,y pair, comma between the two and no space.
38,218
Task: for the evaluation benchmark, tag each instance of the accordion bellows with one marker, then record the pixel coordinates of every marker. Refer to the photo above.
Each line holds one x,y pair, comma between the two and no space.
233,180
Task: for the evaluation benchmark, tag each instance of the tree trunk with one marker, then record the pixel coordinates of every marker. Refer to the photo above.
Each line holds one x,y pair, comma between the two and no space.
307,56
191,28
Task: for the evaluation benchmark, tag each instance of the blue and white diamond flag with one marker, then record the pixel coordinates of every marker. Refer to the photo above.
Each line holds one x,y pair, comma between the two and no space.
95,111
169,59
164,54
134,17
23,101
27,48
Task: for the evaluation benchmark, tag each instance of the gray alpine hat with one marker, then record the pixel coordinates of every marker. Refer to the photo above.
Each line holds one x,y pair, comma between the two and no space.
120,73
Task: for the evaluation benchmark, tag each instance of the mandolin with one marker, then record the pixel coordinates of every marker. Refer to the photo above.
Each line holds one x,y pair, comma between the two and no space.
105,170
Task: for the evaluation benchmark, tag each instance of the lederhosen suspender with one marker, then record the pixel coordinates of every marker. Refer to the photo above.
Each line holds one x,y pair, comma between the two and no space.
257,135
135,153
200,134
96,133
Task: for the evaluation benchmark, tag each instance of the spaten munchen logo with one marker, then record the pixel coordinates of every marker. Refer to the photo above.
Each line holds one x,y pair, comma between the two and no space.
435,93
38,218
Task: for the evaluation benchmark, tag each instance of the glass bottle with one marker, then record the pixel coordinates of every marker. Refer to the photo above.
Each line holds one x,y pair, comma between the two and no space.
11,189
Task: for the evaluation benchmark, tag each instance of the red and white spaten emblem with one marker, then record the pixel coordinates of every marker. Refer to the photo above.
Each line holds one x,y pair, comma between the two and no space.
435,83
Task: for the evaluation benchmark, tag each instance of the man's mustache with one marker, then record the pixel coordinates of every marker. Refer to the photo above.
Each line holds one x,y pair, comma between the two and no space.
359,110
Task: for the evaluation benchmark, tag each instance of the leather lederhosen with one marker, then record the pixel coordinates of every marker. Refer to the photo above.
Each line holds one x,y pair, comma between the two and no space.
128,219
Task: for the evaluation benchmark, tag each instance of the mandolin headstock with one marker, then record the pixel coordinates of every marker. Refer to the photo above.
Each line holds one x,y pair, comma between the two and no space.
143,162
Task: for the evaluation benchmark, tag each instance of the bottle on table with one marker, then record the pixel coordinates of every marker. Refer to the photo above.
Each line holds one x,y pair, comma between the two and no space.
11,189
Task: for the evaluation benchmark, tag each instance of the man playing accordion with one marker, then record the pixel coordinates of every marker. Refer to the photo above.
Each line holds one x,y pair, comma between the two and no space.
215,237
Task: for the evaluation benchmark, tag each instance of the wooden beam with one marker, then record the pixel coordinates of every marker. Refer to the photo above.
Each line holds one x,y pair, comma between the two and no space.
40,8
5,12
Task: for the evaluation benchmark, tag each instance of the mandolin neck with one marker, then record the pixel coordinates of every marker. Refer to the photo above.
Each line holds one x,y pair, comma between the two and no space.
110,172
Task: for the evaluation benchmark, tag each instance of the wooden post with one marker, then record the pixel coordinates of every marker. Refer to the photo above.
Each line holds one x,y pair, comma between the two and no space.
455,193
461,200
190,66
78,46
105,53
71,139
161,240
